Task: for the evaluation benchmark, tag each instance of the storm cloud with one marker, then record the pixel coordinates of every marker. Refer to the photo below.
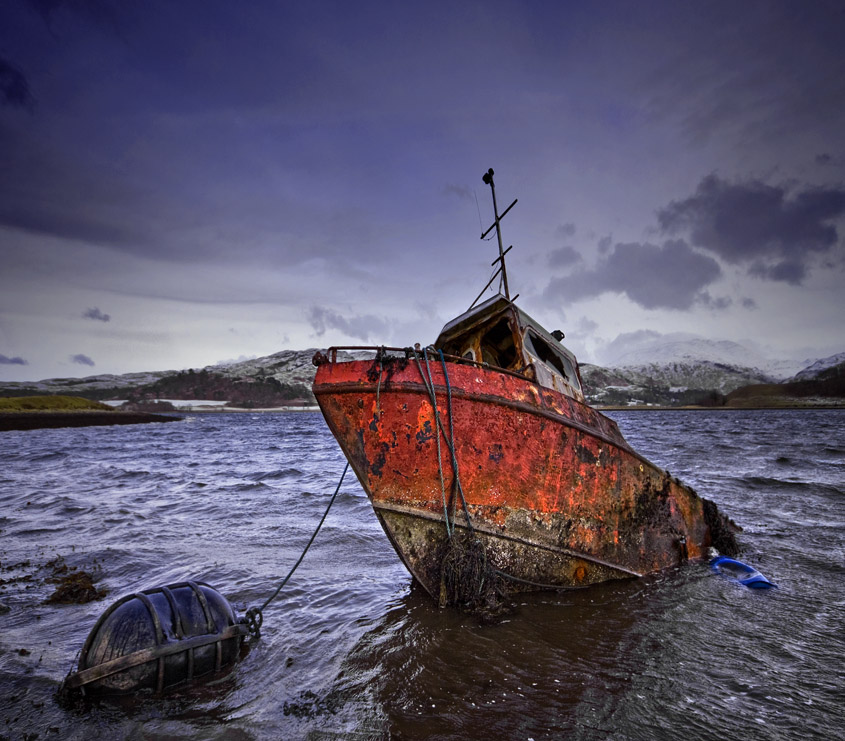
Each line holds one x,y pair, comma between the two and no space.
773,230
96,314
671,276
50,192
81,359
5,360
563,257
565,230
14,88
360,327
463,192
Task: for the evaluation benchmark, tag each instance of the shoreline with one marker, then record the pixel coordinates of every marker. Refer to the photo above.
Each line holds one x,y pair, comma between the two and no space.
237,410
46,420
36,420
748,408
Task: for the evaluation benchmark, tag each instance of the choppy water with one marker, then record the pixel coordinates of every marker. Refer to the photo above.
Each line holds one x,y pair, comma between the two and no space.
351,650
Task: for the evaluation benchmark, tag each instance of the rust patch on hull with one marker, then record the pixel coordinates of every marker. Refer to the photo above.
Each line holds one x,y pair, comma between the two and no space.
553,490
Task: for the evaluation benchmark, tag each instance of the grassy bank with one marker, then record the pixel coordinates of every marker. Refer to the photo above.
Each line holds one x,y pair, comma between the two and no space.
51,404
37,412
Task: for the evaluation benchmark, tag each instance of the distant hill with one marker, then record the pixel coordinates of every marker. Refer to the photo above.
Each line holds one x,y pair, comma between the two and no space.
284,379
821,388
263,391
669,384
281,379
710,381
818,368
103,386
653,349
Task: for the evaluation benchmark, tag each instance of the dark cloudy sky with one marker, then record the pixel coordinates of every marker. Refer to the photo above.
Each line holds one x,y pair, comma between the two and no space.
188,182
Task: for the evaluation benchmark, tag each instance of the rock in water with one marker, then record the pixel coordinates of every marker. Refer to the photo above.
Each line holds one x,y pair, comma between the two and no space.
157,639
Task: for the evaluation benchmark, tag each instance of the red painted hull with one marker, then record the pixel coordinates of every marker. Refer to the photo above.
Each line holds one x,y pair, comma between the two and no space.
552,488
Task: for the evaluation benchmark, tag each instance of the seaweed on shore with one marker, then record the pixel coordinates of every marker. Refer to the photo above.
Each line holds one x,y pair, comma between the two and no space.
74,586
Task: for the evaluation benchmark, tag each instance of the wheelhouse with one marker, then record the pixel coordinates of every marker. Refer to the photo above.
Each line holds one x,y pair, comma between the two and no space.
498,334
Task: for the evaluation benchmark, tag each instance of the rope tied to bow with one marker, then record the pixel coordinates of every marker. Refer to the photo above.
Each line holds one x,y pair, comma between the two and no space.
467,578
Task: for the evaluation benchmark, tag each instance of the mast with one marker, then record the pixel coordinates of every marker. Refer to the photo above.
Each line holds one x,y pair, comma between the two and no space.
488,179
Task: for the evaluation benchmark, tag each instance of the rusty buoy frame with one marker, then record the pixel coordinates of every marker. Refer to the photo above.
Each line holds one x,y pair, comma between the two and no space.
157,639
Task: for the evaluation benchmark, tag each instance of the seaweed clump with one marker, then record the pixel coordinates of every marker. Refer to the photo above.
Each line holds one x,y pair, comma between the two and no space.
74,586
467,579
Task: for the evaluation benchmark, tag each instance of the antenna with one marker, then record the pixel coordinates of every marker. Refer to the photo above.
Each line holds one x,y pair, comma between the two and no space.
488,179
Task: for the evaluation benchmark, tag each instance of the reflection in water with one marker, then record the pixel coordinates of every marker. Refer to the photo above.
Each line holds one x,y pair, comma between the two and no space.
435,673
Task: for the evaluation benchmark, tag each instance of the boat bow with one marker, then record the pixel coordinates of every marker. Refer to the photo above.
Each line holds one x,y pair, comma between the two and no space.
547,483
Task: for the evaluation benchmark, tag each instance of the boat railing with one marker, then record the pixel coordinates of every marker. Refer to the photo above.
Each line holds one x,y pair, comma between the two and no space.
408,353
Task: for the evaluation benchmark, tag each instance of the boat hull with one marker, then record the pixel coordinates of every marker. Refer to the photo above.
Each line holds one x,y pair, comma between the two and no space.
552,489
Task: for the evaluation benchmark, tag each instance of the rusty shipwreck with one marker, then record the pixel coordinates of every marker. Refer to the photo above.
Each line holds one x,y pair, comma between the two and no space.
485,439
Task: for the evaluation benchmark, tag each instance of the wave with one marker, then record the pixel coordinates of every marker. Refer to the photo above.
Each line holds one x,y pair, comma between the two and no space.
281,474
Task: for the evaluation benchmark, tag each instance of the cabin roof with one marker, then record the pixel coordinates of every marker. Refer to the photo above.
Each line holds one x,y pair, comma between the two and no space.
497,304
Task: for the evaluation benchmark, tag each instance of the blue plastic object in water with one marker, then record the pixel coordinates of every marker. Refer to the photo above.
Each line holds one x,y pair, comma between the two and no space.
742,572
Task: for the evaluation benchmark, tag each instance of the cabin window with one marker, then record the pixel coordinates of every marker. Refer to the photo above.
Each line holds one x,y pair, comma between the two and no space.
553,358
497,345
492,342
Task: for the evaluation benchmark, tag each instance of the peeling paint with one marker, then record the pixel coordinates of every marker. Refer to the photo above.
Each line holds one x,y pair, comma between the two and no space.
552,487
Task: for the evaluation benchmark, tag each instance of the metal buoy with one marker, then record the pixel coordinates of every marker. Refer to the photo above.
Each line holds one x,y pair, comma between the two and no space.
157,639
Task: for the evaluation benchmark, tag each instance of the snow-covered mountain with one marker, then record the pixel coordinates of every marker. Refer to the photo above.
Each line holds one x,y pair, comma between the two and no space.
813,369
290,369
679,368
703,374
649,349
286,366
103,382
670,383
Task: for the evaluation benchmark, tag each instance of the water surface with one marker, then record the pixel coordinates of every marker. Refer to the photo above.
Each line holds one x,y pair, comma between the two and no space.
351,649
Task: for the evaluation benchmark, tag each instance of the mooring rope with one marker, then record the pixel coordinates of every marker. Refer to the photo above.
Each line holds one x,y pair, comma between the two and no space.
449,438
254,616
429,386
428,382
451,443
468,580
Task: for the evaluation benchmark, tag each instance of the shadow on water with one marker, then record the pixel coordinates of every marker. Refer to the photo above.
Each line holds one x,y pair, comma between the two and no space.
431,673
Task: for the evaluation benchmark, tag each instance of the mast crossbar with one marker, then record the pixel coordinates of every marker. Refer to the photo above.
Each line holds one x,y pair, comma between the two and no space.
488,179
